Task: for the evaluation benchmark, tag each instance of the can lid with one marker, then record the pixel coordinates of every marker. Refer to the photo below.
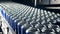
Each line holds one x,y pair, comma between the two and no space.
18,23
28,29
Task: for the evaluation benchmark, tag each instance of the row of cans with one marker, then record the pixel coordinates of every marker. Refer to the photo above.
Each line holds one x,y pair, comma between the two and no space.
29,20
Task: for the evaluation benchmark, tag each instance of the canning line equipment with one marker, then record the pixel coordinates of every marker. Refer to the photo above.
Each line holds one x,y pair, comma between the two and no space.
25,19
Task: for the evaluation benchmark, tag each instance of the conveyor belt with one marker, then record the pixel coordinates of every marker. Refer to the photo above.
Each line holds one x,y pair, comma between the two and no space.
28,20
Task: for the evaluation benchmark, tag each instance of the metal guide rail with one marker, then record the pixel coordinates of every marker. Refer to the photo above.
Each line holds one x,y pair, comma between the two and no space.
6,28
28,20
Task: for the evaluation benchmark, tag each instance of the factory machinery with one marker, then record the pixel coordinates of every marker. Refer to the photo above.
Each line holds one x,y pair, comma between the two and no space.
23,19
